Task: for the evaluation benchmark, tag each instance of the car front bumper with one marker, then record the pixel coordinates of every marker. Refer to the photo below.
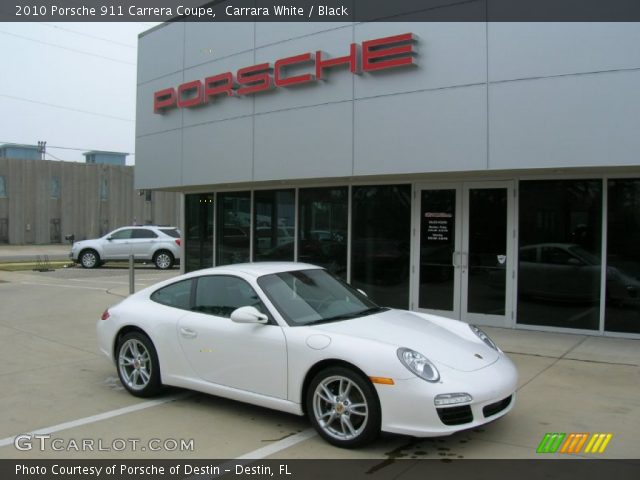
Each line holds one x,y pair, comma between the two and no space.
408,406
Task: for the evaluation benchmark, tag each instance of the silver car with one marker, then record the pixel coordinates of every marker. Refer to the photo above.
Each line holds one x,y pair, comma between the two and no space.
160,245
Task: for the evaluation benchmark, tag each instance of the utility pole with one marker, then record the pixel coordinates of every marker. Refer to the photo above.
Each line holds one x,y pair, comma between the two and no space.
42,149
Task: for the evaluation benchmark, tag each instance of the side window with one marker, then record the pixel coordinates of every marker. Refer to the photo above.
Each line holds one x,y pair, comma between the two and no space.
143,233
554,256
121,234
221,294
176,295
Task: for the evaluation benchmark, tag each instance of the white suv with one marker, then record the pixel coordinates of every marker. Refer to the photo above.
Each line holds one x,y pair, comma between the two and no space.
161,245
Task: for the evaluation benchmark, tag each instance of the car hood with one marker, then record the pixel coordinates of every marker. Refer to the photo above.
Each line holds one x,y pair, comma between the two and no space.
406,329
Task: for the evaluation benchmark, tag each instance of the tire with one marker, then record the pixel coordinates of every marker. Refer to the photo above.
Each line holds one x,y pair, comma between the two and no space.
138,366
89,258
163,259
343,407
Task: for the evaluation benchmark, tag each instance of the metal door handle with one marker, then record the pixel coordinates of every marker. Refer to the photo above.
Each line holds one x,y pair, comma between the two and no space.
453,259
188,333
465,260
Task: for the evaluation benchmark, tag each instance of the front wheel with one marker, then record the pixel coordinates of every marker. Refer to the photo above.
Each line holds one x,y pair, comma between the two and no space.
163,260
89,258
138,366
343,407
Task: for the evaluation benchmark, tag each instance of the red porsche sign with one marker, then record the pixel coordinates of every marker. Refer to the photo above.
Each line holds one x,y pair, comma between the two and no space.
373,55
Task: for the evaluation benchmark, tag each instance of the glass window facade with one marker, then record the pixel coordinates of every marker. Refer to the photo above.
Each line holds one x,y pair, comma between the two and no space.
274,225
198,235
560,276
234,228
323,225
559,266
622,312
380,244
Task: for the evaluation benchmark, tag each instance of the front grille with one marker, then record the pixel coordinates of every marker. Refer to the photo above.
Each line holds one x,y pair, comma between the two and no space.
497,407
455,415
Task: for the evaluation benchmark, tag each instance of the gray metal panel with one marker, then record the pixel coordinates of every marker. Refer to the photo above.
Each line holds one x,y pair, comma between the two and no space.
304,143
577,120
439,130
221,107
159,160
449,54
525,50
206,42
337,87
148,122
218,152
273,32
161,52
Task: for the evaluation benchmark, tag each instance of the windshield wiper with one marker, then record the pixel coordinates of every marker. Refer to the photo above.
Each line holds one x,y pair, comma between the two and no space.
347,316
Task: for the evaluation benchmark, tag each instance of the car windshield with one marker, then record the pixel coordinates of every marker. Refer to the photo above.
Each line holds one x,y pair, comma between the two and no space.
305,297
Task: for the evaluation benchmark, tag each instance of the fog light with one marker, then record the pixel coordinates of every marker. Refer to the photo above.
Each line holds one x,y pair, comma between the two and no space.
452,399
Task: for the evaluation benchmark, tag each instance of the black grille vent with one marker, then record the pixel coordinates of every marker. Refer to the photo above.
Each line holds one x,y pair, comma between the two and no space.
496,407
455,415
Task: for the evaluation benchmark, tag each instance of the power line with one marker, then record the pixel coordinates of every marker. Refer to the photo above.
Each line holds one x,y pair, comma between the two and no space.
88,35
87,112
67,48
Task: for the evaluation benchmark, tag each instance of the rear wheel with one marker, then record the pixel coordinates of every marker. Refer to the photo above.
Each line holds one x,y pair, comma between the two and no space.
89,258
138,366
343,407
163,260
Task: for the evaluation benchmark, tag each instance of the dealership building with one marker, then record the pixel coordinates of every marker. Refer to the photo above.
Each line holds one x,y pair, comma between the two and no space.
488,172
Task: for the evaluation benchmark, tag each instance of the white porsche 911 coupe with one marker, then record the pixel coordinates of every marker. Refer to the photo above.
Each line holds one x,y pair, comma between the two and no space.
292,337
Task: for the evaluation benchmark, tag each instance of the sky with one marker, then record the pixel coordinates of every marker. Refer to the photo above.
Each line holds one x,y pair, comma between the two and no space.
72,85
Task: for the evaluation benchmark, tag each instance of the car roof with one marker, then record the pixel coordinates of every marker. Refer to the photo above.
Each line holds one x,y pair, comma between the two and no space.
257,269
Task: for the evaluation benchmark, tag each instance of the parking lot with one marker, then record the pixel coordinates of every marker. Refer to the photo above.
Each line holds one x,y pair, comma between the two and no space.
55,382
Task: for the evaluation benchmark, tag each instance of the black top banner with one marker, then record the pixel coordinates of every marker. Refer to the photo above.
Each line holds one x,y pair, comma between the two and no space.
320,10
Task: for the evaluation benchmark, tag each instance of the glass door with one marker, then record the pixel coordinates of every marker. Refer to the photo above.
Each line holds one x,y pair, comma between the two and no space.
439,251
464,257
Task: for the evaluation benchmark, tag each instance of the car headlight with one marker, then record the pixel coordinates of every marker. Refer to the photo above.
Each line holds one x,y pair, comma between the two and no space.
484,337
418,364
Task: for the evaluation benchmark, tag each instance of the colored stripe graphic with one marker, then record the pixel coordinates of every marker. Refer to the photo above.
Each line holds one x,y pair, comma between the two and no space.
598,443
550,442
573,443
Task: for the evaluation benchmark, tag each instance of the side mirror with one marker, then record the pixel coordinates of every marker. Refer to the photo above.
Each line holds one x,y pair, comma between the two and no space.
363,292
248,315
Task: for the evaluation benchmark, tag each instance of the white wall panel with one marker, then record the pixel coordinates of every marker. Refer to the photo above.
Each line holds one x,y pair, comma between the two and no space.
218,152
448,54
568,121
220,107
274,32
337,87
148,122
440,130
160,52
526,50
304,143
207,41
158,160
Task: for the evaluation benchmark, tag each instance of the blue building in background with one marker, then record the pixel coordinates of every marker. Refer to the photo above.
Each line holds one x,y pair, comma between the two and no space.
16,150
106,158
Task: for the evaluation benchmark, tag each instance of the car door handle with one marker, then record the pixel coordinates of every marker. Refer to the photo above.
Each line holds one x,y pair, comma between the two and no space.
188,333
